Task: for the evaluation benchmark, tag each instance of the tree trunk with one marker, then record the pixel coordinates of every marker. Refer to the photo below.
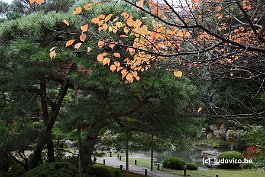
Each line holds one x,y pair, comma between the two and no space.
86,150
50,147
35,157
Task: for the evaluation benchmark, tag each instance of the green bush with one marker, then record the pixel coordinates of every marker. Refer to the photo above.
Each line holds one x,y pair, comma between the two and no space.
174,163
228,159
192,166
100,171
248,166
56,169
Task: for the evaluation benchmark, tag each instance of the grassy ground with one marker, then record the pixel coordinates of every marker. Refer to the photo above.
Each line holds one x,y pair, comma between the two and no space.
204,173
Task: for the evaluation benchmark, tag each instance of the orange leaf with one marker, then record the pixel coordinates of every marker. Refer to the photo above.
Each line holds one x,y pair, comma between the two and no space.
101,44
112,46
140,3
88,6
106,61
218,8
116,63
101,16
95,20
137,23
84,28
78,45
77,11
31,1
129,77
178,73
130,21
123,36
66,22
83,37
125,15
113,68
131,50
118,55
108,17
124,72
70,42
39,1
52,54
100,58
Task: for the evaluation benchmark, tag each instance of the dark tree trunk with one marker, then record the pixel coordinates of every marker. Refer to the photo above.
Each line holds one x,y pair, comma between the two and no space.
35,157
50,147
86,150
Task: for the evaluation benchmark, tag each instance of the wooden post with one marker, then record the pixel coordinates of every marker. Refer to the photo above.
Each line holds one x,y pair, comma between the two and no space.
104,162
121,167
135,162
158,166
120,157
145,172
216,175
185,172
110,154
152,153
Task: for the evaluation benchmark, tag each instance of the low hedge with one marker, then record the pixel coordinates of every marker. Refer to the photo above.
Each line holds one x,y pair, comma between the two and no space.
174,163
192,166
229,159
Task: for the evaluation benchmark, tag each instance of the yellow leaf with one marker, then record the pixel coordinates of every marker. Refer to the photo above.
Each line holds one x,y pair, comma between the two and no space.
178,73
200,109
113,68
84,28
78,45
106,61
66,22
31,1
126,30
118,55
52,54
129,77
105,26
108,17
137,23
77,11
101,44
95,20
119,24
83,37
70,42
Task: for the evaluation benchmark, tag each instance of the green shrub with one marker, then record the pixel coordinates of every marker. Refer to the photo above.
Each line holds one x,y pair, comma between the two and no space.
192,166
174,163
100,171
248,166
228,159
56,169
